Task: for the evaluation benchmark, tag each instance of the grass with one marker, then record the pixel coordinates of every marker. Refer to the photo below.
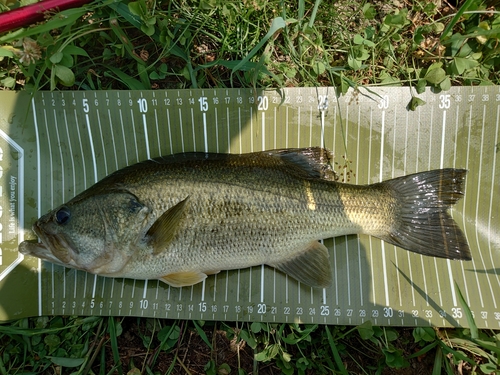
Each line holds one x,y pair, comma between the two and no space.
102,345
180,44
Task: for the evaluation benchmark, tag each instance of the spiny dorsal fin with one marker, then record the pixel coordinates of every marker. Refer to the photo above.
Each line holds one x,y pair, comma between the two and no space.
311,266
184,278
163,229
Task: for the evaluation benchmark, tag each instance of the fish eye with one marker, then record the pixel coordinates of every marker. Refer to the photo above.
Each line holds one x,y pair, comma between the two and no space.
63,215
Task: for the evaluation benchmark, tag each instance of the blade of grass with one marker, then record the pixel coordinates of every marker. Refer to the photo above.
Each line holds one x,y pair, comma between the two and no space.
32,13
30,332
488,346
95,352
455,19
172,366
335,352
144,76
458,355
314,12
114,345
301,12
468,314
130,82
127,44
102,367
3,371
64,18
113,369
423,350
357,363
438,362
277,24
202,335
477,32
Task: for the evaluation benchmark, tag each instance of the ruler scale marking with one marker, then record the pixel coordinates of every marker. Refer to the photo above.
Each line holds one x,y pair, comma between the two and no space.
157,128
467,167
478,223
350,296
490,213
216,119
396,257
181,131
441,165
39,199
420,256
469,125
405,171
59,147
381,174
370,250
193,130
123,136
358,240
134,134
454,166
430,158
70,147
113,142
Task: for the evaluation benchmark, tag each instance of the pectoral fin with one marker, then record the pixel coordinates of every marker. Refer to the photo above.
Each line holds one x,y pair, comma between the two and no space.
310,266
184,278
163,229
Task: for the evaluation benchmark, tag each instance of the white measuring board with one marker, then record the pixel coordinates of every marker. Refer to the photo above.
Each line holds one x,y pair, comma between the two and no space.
55,145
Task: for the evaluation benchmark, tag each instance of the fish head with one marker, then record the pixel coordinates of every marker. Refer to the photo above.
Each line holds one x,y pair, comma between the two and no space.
97,234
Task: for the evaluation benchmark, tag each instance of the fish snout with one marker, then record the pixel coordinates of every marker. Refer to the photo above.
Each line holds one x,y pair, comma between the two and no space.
52,242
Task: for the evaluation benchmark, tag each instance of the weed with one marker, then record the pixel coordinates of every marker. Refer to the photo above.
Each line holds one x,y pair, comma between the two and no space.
37,345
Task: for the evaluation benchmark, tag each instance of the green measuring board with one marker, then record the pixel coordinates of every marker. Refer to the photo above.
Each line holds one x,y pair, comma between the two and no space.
53,145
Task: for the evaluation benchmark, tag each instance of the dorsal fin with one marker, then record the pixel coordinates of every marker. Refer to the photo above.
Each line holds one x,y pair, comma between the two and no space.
311,162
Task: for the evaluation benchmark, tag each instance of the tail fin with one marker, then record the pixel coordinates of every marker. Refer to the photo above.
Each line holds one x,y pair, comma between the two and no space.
422,223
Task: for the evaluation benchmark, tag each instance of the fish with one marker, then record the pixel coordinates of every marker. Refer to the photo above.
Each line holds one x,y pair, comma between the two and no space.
183,217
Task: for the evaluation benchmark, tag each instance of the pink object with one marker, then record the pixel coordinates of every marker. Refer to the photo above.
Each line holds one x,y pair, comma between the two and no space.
29,14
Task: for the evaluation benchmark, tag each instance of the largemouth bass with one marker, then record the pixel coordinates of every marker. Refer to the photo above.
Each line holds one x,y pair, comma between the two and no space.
182,217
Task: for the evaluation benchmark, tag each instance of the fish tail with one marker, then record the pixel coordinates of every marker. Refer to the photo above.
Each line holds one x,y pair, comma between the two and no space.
421,220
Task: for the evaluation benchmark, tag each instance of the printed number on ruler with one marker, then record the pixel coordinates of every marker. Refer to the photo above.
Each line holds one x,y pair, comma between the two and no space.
85,103
203,100
322,102
143,105
384,102
456,312
262,103
444,101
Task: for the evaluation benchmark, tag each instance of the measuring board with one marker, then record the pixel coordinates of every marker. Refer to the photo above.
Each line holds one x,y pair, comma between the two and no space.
56,144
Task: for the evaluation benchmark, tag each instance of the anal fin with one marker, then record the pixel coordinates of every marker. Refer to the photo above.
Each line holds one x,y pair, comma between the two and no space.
212,272
180,279
311,266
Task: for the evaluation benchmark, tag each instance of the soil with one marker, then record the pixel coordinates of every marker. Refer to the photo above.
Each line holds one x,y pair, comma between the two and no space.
191,355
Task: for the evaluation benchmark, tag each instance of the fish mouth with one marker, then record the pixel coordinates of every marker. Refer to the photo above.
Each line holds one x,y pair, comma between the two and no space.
53,247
